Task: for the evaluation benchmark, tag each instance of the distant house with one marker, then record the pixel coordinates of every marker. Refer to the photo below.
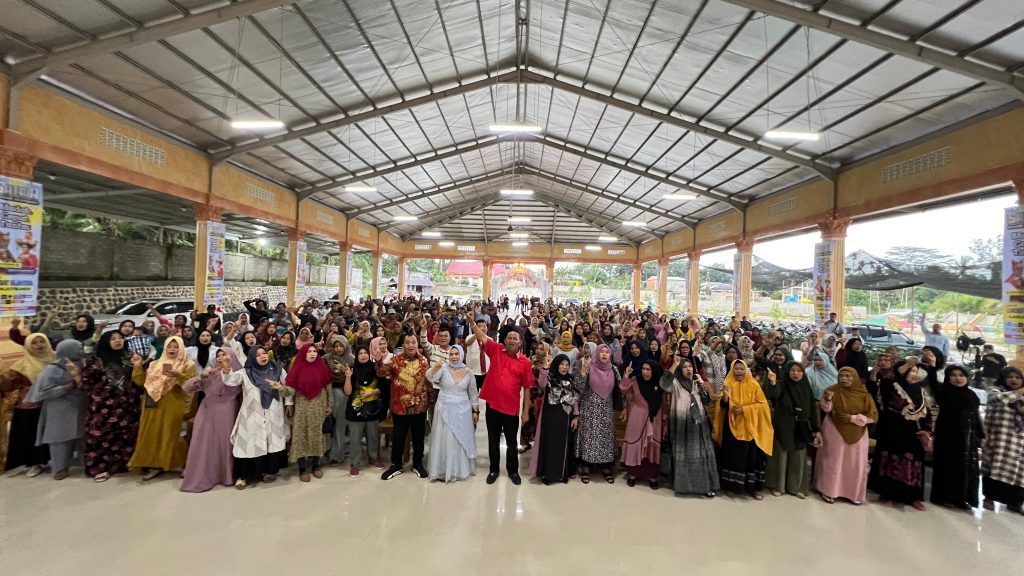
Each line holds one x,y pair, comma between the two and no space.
415,283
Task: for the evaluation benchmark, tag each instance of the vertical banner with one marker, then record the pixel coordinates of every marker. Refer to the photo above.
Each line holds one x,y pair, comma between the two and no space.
301,272
1013,277
21,222
737,283
822,278
214,264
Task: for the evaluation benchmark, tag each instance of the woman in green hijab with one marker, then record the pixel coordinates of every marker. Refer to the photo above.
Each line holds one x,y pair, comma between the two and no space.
792,400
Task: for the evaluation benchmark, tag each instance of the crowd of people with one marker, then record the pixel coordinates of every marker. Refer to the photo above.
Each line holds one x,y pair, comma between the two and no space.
583,391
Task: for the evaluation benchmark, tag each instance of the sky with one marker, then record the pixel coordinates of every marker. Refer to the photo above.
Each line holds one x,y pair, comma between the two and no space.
949,230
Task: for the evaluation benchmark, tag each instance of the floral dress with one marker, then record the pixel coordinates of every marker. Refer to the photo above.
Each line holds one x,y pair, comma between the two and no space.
112,424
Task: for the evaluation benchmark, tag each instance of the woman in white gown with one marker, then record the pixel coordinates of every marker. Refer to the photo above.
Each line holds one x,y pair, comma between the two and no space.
452,445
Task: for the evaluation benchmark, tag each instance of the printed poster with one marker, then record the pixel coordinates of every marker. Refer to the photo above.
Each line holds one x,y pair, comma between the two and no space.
822,279
301,271
21,222
737,271
214,264
1013,277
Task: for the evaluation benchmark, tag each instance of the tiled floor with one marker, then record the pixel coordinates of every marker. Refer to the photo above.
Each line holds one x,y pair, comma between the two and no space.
340,525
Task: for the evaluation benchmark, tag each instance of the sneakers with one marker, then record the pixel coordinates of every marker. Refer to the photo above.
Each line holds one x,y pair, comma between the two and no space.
353,472
377,464
391,472
420,471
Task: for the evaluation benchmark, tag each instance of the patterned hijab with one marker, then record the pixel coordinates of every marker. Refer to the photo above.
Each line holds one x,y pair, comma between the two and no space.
158,383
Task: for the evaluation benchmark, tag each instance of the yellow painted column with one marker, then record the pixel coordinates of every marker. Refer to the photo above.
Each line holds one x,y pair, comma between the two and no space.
663,285
488,274
1018,185
375,274
636,286
294,237
205,214
549,275
693,281
745,248
344,268
835,231
401,276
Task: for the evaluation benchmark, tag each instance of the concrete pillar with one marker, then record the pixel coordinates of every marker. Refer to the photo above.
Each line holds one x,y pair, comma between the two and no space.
344,269
488,274
745,249
15,163
294,238
205,214
549,274
663,285
835,231
693,281
401,277
375,274
636,286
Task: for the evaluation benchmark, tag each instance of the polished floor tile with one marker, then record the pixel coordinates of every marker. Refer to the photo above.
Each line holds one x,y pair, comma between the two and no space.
342,525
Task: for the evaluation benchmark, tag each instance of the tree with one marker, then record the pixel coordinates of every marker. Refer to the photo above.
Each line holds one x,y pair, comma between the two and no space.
914,255
984,251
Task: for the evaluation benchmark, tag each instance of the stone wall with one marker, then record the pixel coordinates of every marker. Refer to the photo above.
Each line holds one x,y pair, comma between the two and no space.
58,306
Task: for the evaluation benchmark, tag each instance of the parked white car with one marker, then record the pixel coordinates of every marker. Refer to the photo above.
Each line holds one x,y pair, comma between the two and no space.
138,311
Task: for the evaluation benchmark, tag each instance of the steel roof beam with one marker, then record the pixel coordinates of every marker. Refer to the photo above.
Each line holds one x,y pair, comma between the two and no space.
374,112
428,194
32,68
436,222
824,170
690,222
886,43
558,207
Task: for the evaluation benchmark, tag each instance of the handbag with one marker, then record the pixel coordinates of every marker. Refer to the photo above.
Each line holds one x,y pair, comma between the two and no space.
328,426
802,431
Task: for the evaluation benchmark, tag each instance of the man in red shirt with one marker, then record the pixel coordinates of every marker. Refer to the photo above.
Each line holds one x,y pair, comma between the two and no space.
409,399
509,371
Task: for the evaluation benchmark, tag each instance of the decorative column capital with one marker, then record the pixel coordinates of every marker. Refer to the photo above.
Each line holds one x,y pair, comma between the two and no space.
1018,185
296,235
745,246
834,228
693,255
207,212
663,261
344,247
16,164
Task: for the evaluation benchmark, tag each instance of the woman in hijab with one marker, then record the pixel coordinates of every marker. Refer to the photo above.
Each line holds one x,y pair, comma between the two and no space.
774,365
188,336
248,340
209,455
795,422
112,427
820,372
641,447
365,406
160,447
830,346
62,418
933,361
958,435
338,358
608,337
363,335
693,468
907,410
840,468
855,358
203,352
742,427
452,446
635,356
595,444
314,402
163,332
284,350
528,429
746,350
566,346
19,447
84,331
685,350
260,435
553,458
1002,473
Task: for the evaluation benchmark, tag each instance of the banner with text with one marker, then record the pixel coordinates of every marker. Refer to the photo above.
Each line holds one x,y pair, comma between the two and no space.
737,281
301,272
1013,277
822,279
214,264
21,222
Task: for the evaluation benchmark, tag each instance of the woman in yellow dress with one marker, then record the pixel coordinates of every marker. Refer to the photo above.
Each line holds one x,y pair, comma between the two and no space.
160,446
742,428
19,449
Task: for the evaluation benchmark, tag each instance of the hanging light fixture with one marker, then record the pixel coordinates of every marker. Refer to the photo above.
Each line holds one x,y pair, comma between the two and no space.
251,124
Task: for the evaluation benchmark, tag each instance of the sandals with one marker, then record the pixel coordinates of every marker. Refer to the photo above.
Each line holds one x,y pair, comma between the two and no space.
318,473
989,505
758,496
102,477
34,471
268,478
525,448
828,499
240,484
151,474
919,506
585,478
776,493
609,478
710,495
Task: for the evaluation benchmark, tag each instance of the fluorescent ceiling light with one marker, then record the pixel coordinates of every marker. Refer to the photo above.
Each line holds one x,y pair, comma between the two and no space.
432,234
256,124
360,188
262,241
634,223
678,196
520,244
593,247
517,127
405,218
519,235
517,192
446,244
607,238
518,218
784,135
